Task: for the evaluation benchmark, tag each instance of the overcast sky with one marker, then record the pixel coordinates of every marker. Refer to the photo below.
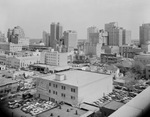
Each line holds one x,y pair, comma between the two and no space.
34,16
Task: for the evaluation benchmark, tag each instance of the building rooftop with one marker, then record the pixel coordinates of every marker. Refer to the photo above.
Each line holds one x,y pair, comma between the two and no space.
57,112
89,107
77,77
113,105
26,57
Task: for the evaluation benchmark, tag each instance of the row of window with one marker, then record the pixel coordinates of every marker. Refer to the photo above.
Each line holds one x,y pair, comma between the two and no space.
62,94
62,87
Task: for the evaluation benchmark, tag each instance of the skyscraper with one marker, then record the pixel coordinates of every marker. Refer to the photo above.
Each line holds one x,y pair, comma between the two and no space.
126,37
55,34
90,30
2,37
59,31
115,34
46,38
70,39
95,36
17,36
144,33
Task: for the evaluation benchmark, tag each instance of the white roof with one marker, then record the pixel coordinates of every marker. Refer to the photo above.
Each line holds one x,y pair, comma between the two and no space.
77,77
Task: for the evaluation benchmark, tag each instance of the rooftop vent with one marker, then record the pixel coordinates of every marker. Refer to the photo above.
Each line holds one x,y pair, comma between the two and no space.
60,77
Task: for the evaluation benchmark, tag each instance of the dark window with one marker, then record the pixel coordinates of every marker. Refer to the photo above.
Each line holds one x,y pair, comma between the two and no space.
72,90
63,87
72,97
63,95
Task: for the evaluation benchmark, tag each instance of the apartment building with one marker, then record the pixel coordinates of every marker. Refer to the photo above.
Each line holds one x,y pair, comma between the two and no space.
92,49
54,58
23,61
10,47
126,51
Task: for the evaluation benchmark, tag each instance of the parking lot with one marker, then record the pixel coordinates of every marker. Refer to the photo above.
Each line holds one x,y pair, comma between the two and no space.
27,107
121,94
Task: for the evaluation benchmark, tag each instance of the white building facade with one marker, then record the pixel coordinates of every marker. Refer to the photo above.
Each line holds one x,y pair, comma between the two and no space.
74,87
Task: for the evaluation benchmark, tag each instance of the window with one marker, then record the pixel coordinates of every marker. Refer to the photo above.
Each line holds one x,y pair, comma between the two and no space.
63,87
63,95
72,90
53,92
72,97
49,84
49,91
55,85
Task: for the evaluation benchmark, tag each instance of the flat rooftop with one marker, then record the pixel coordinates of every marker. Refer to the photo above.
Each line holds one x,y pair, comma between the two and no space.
57,112
114,105
77,77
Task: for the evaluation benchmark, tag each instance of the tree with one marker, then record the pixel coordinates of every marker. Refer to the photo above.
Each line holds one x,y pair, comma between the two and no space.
138,67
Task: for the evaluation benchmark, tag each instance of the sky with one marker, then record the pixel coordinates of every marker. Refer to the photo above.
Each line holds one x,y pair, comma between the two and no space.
35,16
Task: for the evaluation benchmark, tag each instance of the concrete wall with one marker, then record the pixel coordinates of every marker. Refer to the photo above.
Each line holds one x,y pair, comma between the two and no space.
46,90
96,90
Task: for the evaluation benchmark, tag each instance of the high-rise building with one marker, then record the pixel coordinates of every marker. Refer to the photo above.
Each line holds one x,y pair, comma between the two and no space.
17,36
95,36
55,34
126,37
70,39
144,33
2,37
103,37
59,31
46,38
117,36
53,58
92,29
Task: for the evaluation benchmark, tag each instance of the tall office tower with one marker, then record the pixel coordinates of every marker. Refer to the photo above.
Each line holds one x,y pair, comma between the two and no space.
126,37
70,39
18,31
103,37
46,38
9,34
59,31
53,35
56,34
2,37
17,36
144,33
15,33
115,34
92,29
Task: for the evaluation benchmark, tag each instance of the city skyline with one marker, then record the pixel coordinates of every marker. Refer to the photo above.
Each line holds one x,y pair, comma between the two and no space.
35,16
